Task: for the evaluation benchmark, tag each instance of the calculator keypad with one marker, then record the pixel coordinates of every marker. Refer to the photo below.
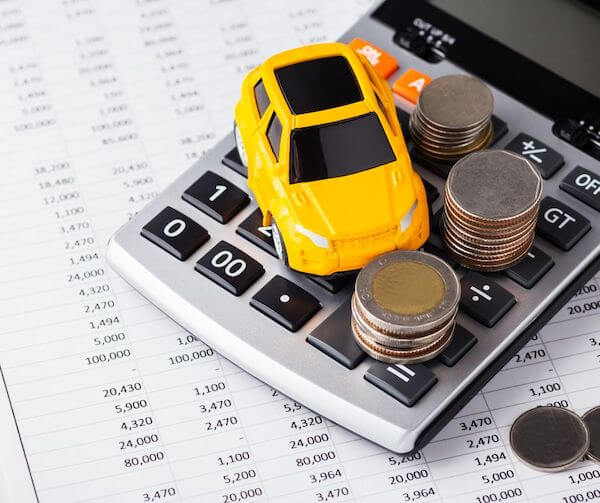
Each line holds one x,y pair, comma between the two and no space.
253,230
216,196
561,225
531,268
175,233
462,342
286,303
334,338
406,383
429,247
230,268
232,160
483,299
584,185
545,159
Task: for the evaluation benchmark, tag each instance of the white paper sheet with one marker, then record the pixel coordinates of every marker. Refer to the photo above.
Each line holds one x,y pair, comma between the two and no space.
103,103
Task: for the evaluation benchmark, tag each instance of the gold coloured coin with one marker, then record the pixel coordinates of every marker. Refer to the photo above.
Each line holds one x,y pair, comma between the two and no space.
404,306
408,287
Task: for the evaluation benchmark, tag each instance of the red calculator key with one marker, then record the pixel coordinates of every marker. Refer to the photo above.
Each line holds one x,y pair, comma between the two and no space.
383,62
410,84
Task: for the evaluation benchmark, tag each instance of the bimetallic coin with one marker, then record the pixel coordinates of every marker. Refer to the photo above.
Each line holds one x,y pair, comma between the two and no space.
392,355
592,420
398,339
404,307
549,439
398,295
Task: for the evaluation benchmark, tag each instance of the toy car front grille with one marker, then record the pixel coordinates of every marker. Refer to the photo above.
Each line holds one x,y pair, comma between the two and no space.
389,233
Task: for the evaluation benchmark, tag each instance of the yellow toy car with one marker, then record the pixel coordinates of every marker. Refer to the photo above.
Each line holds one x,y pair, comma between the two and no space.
327,163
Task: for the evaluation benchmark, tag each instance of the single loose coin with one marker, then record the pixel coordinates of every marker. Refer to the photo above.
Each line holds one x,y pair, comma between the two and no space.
592,420
549,439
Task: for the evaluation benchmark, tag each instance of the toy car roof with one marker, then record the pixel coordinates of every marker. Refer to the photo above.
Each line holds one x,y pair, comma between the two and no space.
318,84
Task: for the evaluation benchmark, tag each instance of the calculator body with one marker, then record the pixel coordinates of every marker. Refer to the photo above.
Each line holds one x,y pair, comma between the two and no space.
311,359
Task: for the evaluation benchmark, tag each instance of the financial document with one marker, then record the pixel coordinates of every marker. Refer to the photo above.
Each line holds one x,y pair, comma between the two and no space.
105,399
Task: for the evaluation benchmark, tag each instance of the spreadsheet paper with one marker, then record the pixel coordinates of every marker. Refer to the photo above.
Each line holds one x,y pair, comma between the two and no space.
105,399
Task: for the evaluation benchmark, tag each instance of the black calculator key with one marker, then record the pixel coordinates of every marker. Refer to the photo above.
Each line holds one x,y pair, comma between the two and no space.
286,303
483,299
531,268
431,190
442,168
437,166
560,224
232,160
546,160
403,118
334,282
253,230
584,185
500,129
334,337
230,268
406,383
216,197
440,253
435,221
175,233
462,342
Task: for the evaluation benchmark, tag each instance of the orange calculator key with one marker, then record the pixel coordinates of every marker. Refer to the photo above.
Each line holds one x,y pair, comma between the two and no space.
410,84
383,63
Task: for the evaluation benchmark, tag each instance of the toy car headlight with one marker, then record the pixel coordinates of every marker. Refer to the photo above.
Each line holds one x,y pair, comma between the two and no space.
317,239
407,219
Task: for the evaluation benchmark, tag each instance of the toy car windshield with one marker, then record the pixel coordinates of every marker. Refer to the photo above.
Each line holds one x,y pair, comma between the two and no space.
318,84
338,149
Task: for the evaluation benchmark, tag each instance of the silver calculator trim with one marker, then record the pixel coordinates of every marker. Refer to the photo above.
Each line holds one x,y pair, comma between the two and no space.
285,360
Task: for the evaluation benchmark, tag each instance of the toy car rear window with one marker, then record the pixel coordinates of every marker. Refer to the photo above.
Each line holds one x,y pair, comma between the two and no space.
338,149
318,84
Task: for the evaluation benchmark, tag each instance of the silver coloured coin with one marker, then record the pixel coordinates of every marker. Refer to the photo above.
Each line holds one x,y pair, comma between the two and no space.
549,439
452,117
491,204
456,102
494,185
592,420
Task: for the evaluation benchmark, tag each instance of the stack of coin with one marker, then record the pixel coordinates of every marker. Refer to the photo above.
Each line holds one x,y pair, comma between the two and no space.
491,206
404,307
452,117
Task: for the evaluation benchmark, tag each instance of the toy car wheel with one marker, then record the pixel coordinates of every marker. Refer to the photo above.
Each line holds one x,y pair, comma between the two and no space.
279,244
239,143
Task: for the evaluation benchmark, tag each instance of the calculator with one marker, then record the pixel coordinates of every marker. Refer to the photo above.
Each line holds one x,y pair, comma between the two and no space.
199,250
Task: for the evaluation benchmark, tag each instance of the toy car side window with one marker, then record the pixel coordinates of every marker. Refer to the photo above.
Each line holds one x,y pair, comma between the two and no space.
260,95
380,104
274,134
385,113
